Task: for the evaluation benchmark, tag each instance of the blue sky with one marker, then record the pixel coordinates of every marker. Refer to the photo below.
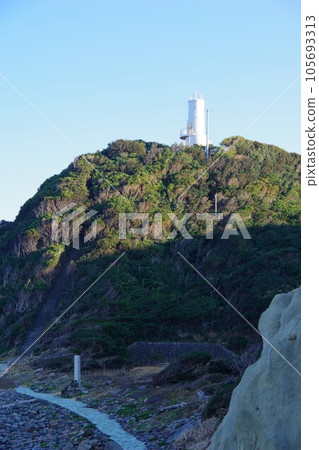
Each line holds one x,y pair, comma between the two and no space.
103,70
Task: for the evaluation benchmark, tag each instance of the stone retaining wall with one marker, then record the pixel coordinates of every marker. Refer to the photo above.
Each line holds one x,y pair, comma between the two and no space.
161,352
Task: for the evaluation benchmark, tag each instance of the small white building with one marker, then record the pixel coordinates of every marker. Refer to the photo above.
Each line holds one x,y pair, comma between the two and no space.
195,132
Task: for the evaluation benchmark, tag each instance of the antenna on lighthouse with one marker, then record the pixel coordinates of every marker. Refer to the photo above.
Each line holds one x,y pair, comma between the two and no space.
207,133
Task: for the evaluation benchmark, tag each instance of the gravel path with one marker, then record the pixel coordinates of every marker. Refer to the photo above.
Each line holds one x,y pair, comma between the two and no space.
34,424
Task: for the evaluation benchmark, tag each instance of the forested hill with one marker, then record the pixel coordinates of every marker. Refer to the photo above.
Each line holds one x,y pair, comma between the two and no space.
152,293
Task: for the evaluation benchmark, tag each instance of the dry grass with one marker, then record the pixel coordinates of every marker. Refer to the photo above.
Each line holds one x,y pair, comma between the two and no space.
197,438
134,373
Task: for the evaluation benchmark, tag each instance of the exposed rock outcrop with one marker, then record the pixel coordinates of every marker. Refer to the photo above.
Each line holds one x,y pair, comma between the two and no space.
264,412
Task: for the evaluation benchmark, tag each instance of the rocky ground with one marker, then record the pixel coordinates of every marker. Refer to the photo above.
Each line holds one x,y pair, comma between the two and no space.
162,416
27,423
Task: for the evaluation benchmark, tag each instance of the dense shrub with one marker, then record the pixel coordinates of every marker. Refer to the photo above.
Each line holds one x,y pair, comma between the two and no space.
219,401
189,367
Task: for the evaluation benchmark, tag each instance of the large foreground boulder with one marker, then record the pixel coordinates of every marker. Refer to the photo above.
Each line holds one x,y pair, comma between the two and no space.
264,412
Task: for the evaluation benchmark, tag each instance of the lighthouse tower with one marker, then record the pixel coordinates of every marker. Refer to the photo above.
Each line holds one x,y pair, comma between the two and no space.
195,132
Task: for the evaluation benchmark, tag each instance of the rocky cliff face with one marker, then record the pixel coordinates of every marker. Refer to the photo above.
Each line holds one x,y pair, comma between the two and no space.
264,412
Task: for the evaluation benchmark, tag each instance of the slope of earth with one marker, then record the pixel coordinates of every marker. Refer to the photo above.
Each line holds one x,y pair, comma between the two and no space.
161,416
152,293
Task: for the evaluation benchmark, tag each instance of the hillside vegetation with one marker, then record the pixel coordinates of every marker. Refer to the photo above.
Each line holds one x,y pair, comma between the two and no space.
152,293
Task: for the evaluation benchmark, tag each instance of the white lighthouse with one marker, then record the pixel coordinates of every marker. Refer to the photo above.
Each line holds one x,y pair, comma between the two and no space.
195,132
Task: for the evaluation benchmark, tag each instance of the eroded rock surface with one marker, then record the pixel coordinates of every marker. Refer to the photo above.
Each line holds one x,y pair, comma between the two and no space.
264,412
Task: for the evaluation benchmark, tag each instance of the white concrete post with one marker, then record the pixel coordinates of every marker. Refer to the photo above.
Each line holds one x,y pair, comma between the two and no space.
77,369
